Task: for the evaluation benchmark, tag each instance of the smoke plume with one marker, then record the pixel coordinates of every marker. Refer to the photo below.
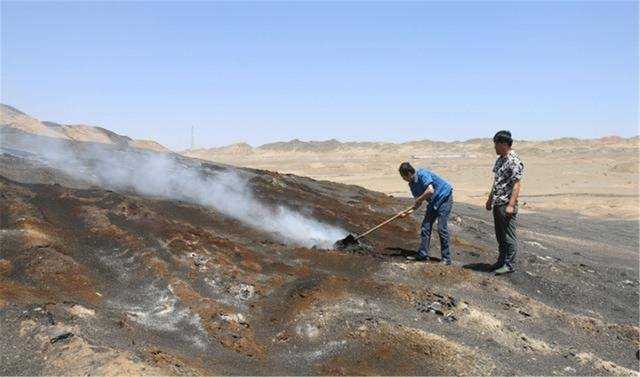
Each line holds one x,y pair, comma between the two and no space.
166,175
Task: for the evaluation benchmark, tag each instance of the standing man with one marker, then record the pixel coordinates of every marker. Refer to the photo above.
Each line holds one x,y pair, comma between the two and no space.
428,186
503,198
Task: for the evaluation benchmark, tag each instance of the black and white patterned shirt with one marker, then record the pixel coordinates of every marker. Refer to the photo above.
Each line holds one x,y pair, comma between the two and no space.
508,170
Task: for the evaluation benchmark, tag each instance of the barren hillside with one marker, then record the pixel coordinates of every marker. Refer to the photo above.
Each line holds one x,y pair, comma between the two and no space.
14,118
118,277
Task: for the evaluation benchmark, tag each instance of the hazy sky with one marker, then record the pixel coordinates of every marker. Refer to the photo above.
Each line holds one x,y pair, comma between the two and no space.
262,72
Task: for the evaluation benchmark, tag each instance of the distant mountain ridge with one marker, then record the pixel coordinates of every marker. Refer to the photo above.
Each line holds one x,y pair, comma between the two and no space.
471,145
14,118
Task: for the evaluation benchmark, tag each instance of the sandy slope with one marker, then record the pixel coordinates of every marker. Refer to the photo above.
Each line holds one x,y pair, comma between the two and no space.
13,118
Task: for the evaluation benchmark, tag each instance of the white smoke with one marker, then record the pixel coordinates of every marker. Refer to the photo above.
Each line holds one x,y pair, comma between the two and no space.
165,175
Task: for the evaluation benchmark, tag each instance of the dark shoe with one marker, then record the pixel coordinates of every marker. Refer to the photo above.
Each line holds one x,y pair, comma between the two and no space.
416,258
445,262
495,266
503,270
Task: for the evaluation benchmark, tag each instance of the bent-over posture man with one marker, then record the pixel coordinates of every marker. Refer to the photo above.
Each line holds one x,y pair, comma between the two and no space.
503,198
428,186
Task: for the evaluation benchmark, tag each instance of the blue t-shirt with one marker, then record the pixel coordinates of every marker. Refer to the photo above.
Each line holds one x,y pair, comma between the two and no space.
422,179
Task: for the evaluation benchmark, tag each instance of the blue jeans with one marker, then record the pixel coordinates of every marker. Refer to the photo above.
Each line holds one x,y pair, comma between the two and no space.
442,215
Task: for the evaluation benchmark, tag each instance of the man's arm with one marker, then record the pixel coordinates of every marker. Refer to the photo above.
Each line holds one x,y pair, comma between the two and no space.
424,196
511,207
515,178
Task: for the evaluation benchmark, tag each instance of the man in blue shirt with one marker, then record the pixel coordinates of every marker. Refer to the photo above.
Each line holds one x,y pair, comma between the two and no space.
429,186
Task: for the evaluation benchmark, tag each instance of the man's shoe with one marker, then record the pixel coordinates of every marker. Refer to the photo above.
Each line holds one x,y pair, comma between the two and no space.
445,262
503,270
416,258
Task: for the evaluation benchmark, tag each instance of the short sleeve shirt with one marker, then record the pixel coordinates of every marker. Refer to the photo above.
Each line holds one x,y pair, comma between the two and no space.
508,170
422,179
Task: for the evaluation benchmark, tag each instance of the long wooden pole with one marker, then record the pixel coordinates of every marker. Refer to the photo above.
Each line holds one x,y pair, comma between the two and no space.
405,212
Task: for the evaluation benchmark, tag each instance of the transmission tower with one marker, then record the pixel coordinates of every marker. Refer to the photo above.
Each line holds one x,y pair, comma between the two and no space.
192,138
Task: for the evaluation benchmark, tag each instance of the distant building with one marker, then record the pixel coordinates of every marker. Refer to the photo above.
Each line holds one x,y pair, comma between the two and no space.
443,155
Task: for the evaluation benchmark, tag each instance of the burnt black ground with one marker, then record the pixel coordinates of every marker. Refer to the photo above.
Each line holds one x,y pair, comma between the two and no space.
149,285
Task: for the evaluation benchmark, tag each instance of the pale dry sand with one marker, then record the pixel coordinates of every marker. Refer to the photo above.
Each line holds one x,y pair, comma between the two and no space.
596,178
11,117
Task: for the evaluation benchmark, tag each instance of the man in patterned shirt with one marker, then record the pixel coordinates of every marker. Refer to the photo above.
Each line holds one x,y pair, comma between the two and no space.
503,198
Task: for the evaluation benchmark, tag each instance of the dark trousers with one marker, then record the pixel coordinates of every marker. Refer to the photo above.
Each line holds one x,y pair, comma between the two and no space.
506,236
442,215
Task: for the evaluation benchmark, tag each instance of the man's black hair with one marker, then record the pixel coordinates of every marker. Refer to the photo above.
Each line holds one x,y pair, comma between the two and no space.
406,168
503,136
